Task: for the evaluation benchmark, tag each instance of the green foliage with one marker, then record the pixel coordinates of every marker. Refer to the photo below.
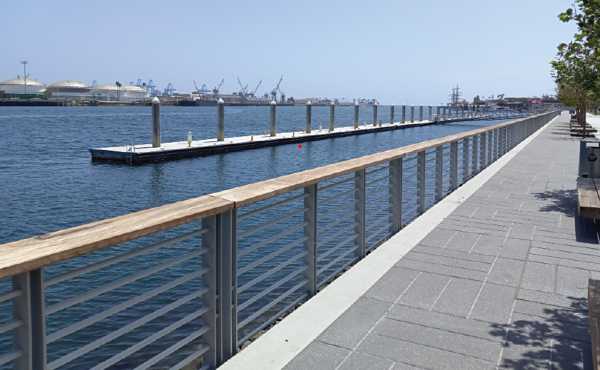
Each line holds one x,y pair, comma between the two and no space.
576,68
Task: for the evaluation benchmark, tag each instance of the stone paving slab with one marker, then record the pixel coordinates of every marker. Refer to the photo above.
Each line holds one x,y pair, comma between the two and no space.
500,284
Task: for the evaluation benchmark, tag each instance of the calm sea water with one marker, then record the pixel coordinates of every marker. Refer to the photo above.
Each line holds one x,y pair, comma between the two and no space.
48,183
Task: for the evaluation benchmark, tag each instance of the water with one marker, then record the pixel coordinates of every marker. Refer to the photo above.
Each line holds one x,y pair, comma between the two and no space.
49,183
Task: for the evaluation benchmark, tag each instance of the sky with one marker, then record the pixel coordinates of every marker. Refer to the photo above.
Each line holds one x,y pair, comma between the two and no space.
400,52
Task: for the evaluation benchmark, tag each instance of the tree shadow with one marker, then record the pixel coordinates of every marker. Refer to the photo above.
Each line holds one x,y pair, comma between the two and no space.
555,338
565,202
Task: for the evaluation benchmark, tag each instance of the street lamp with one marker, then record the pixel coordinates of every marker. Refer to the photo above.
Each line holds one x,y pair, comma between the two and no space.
24,63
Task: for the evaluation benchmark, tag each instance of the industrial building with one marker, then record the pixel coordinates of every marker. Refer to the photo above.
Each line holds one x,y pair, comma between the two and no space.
69,89
21,87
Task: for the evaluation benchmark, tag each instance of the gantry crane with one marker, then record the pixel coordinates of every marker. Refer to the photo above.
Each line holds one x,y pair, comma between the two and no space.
276,89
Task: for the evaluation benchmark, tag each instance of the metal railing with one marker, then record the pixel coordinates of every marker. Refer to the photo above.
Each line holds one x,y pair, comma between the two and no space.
186,285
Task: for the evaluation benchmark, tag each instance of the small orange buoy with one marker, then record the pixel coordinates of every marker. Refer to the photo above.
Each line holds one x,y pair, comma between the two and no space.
299,146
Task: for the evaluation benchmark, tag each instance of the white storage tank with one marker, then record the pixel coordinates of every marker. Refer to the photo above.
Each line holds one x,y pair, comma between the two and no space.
22,86
112,92
69,89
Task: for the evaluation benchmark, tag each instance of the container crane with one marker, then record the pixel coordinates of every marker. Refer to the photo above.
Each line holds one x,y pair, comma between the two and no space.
243,88
276,89
216,89
253,93
169,90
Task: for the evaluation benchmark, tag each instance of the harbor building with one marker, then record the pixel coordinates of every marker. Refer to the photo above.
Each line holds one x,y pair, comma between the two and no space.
69,89
21,87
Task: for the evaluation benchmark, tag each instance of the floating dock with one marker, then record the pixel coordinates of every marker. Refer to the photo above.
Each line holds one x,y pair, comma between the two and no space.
144,153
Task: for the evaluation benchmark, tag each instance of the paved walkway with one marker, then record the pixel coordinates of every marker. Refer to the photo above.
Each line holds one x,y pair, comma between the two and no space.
500,283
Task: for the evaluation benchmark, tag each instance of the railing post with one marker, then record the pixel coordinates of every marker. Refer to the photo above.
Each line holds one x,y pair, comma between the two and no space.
360,201
396,195
420,113
482,150
22,313
453,165
403,114
29,308
310,235
391,114
220,120
375,106
213,336
273,126
226,242
421,182
332,117
490,145
439,172
496,144
356,115
465,161
412,113
308,128
475,154
155,122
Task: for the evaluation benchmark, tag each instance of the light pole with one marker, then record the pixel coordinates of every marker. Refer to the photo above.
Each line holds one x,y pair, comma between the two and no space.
24,63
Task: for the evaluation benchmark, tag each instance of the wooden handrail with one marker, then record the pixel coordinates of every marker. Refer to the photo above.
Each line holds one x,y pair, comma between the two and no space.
39,251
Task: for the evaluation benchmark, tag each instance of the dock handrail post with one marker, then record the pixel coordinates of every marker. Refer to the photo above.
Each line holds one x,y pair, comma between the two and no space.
412,113
421,182
453,165
475,154
392,114
489,137
356,114
439,172
375,106
395,184
360,201
273,126
482,151
308,128
29,309
209,244
332,116
221,120
227,249
155,122
403,114
465,159
420,113
310,237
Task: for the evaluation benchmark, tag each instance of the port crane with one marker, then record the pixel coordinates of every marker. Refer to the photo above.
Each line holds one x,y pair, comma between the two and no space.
243,88
253,93
216,89
202,90
169,90
276,89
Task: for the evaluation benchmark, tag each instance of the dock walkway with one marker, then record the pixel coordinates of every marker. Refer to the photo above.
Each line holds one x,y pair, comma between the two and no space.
500,283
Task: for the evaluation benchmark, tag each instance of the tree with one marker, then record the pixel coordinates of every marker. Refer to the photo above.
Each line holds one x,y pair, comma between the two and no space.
577,64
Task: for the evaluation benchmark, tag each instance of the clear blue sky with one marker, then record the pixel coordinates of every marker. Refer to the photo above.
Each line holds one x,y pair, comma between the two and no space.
398,51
